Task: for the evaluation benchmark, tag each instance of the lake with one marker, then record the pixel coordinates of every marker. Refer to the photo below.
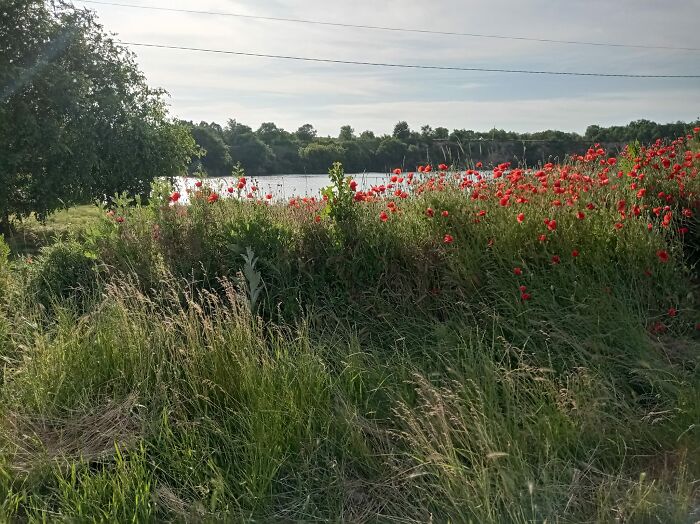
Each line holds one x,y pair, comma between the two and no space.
281,187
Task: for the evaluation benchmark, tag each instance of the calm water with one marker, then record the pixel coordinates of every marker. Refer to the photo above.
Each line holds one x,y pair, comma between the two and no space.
282,187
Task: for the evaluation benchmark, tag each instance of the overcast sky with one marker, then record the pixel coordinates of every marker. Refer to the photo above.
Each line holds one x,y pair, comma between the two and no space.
214,87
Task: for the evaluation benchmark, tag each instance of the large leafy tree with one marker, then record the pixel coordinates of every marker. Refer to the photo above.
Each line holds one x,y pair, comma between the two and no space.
77,119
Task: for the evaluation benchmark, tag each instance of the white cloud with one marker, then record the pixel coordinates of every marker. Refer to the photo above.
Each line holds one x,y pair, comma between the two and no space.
253,90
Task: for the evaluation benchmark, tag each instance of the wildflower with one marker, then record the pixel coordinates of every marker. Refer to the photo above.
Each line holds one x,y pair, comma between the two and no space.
552,225
523,289
397,171
445,213
525,297
443,167
429,212
542,238
198,183
580,215
682,230
672,312
213,198
590,206
658,327
119,219
175,196
383,216
447,239
556,259
662,254
353,185
268,196
230,190
618,225
521,217
479,165
575,253
518,271
317,218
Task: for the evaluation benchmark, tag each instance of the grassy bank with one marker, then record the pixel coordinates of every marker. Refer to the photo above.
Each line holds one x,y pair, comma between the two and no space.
446,349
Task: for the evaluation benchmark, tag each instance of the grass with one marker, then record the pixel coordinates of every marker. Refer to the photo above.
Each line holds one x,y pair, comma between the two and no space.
30,235
234,361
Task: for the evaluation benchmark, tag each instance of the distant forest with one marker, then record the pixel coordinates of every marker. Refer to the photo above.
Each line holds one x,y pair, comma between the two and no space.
272,150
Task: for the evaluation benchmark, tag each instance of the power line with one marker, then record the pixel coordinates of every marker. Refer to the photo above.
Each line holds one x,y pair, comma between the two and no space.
395,29
404,66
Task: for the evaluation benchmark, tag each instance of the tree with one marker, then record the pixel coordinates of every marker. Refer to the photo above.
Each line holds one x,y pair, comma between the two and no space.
305,134
346,133
248,149
216,158
77,119
402,131
317,157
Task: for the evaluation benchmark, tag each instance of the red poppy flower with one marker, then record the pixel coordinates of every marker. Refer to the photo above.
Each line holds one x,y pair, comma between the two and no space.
213,198
383,216
672,312
442,167
198,183
618,225
447,239
523,289
445,213
517,271
268,196
397,171
556,259
662,254
542,238
119,219
175,196
552,225
430,212
317,218
521,217
575,253
230,190
479,165
525,297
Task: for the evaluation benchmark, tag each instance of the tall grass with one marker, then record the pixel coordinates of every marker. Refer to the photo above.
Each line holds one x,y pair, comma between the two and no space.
238,361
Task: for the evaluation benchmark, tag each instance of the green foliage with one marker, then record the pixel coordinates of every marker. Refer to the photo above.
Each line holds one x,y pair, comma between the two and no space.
339,195
247,362
76,96
253,280
272,150
64,273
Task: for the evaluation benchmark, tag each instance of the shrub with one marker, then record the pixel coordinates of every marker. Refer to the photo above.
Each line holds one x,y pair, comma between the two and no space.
63,273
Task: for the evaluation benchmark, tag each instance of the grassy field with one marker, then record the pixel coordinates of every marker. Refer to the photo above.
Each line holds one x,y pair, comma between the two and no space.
31,235
444,348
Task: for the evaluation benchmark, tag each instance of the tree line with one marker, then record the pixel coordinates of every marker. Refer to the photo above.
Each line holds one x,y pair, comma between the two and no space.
273,150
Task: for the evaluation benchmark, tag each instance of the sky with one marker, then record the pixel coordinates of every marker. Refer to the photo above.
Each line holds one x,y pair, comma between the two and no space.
216,87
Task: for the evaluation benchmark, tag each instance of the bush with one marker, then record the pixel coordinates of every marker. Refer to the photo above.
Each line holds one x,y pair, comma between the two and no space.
64,273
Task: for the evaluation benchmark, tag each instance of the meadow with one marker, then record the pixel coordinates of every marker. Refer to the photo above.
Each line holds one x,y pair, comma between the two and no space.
445,347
